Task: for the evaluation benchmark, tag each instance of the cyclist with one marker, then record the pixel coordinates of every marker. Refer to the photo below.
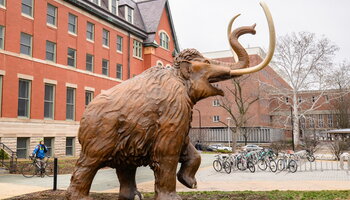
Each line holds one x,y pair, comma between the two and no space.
39,153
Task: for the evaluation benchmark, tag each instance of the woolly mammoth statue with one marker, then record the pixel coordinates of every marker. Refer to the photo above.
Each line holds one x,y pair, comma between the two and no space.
146,120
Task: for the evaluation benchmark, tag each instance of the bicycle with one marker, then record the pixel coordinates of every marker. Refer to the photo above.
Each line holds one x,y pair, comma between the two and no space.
287,163
29,170
218,164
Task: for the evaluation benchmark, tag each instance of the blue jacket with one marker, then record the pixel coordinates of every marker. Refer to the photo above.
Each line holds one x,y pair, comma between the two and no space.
40,151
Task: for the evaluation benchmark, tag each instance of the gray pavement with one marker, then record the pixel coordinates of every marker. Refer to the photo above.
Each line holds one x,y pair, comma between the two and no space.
208,179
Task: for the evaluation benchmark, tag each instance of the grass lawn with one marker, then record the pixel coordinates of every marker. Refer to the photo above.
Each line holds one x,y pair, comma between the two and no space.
215,195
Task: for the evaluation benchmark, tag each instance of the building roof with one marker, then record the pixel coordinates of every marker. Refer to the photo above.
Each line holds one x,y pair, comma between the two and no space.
147,15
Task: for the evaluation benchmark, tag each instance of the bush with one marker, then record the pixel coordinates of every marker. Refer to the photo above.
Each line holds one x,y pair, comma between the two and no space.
3,154
223,151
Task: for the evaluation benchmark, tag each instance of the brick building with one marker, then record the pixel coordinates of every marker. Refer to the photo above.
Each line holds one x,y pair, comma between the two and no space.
56,55
207,114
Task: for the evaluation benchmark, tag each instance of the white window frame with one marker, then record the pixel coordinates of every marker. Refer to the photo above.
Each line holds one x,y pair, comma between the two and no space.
75,57
55,17
93,31
121,44
92,62
2,32
32,9
54,53
103,38
216,118
107,61
160,63
216,102
162,41
53,100
111,6
129,11
75,25
3,5
121,71
29,97
31,44
73,146
92,96
137,49
74,102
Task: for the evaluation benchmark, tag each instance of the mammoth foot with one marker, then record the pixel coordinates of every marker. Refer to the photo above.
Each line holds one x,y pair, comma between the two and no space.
168,196
186,180
70,194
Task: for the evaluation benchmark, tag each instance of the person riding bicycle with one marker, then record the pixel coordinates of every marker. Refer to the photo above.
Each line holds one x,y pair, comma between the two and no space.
39,153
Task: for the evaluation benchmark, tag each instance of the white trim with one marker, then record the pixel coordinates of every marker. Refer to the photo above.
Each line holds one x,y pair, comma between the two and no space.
72,85
72,34
159,62
57,65
27,16
49,81
25,76
89,89
51,26
163,31
2,72
167,65
90,40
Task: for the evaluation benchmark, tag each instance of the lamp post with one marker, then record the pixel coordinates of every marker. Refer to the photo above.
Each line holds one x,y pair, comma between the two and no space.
228,130
200,125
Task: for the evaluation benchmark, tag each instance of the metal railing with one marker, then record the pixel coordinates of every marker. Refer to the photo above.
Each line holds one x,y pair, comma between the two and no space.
325,163
11,162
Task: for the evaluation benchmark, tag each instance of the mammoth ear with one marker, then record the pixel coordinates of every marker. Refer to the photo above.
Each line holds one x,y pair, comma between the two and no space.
185,69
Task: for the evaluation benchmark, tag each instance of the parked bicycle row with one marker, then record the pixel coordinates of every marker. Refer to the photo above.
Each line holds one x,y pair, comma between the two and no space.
264,160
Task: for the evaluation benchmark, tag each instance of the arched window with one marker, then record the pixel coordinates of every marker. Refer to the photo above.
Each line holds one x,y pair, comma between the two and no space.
159,63
164,40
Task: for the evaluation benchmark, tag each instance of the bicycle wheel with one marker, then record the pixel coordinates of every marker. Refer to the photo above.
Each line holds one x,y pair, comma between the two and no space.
227,167
49,169
293,166
251,166
28,170
217,165
262,165
241,165
273,166
280,164
311,158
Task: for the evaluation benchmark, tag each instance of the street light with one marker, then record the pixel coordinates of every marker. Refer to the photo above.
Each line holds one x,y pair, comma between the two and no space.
228,130
200,125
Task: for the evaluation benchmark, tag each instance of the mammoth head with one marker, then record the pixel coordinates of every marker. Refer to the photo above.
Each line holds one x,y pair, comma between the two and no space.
201,71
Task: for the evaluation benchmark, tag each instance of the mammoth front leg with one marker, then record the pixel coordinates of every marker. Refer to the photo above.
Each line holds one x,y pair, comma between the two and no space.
128,190
190,161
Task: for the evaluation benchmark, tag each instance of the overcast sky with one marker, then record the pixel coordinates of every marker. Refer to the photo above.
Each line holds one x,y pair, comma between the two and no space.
202,24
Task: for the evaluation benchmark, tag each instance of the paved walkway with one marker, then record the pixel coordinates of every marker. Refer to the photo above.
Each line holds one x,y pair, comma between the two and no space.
208,179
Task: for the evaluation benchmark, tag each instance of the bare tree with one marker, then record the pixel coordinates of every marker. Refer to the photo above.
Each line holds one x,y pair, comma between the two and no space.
338,147
238,109
301,59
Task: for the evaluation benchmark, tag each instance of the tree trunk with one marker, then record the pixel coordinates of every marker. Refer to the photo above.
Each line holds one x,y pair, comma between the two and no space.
295,119
234,139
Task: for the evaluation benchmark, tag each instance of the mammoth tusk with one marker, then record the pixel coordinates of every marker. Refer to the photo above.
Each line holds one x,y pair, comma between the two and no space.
229,28
271,50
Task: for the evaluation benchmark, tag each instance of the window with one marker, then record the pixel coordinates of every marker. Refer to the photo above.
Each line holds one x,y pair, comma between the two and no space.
119,71
300,99
137,49
72,23
69,146
49,101
89,62
216,102
330,121
159,63
89,95
26,44
90,31
51,14
27,7
313,99
2,37
50,51
302,122
312,123
129,15
2,3
320,121
114,7
287,99
22,147
71,61
105,67
164,40
105,38
49,141
97,2
70,104
119,43
327,98
216,118
23,98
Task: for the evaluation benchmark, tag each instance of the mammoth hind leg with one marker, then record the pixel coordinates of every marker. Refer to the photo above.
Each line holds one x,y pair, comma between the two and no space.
128,190
190,161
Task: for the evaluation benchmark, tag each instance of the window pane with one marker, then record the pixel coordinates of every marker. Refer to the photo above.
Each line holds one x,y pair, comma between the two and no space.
70,103
22,147
69,146
88,97
2,2
105,67
2,35
119,43
105,37
72,19
90,31
49,101
50,51
49,144
119,71
71,57
23,98
27,6
51,14
26,42
89,62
